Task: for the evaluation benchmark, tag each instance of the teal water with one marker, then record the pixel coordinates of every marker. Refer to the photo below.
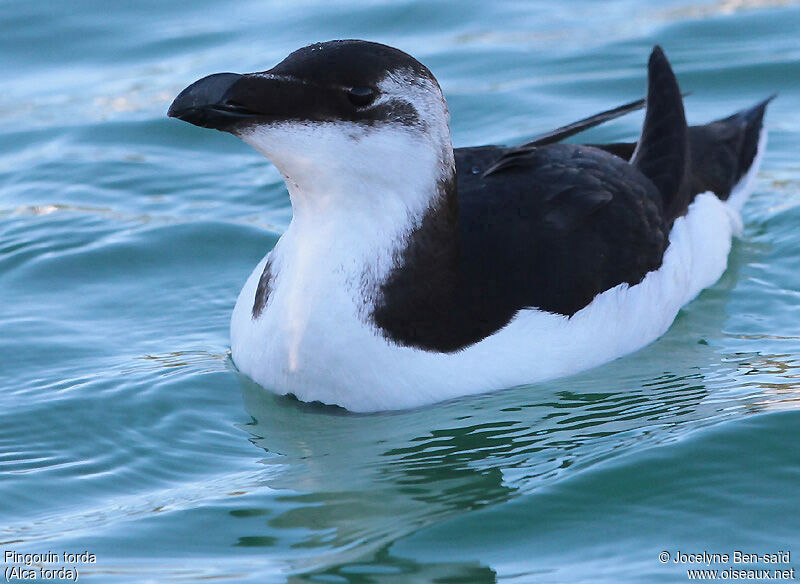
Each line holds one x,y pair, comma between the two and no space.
125,238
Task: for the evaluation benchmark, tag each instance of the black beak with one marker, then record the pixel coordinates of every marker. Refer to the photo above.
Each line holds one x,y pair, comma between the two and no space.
207,103
230,102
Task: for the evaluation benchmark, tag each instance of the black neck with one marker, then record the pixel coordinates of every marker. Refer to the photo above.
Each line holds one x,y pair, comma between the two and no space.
415,304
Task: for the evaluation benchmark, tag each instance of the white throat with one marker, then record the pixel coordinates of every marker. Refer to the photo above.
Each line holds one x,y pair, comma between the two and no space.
355,191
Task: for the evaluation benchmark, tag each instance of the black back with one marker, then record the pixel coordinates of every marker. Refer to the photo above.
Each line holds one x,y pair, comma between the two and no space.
557,227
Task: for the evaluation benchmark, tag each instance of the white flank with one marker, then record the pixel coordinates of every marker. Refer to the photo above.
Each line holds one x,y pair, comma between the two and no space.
312,339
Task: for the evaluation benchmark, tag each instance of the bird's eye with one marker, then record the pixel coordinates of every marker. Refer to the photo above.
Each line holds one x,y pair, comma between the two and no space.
360,96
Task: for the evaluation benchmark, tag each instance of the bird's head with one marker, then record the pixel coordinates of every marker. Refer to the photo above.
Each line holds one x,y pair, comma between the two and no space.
347,111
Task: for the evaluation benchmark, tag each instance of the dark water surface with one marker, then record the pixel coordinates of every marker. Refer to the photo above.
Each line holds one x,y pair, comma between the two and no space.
125,238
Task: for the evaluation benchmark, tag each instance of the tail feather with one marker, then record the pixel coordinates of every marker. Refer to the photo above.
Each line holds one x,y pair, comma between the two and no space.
725,151
753,120
662,153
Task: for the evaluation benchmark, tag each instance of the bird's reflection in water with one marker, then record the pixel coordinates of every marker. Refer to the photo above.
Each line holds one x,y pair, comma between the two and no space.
353,484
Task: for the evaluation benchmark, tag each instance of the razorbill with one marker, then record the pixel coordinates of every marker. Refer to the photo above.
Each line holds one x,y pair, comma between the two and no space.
413,273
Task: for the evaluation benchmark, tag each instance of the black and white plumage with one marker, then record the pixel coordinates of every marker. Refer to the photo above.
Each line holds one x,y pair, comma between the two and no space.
412,272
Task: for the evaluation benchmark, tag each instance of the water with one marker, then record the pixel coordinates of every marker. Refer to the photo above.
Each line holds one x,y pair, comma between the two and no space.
125,238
